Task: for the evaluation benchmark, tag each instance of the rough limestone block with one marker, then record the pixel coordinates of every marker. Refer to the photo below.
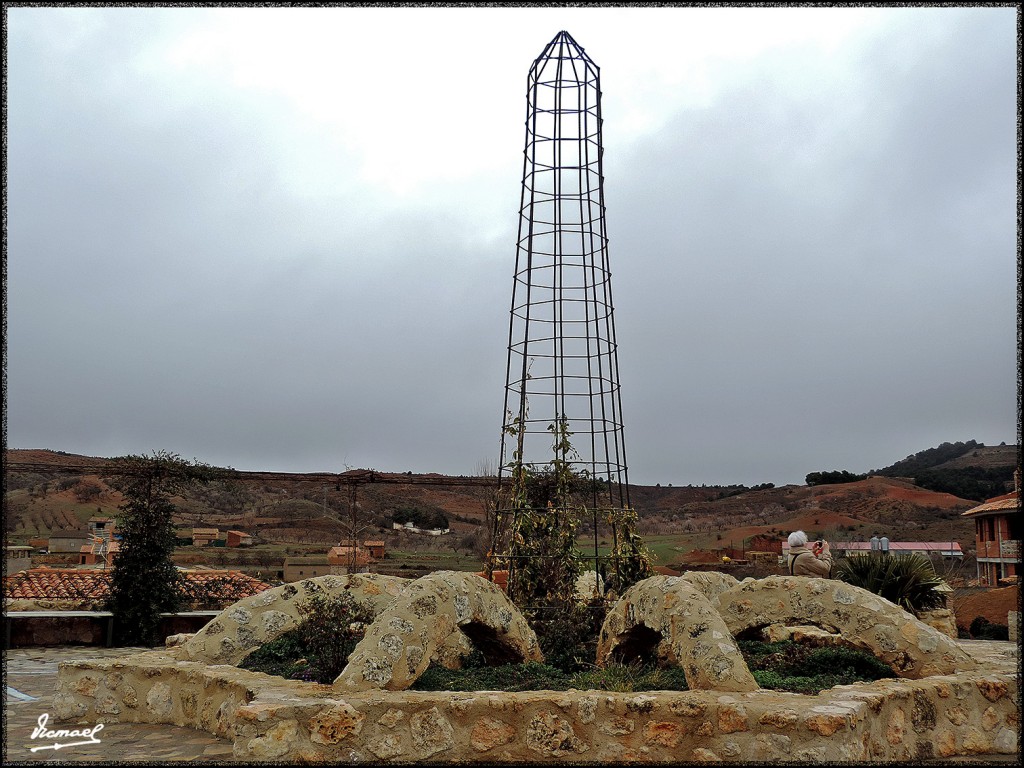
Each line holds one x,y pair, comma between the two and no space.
941,619
399,644
689,634
910,647
710,583
260,618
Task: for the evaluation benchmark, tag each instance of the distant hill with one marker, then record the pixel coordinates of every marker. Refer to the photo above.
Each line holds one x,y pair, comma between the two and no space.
953,456
47,490
969,470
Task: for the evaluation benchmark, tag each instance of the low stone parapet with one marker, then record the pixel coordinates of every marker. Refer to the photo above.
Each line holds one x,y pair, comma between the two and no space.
962,713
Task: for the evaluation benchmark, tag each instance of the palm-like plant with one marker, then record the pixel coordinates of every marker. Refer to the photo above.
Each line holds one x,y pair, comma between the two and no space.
909,581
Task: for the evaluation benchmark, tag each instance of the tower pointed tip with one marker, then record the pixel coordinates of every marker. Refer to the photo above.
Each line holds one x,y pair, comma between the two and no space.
564,38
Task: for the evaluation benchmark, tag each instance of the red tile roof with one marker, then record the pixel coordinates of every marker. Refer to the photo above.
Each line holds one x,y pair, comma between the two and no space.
207,587
1005,503
58,583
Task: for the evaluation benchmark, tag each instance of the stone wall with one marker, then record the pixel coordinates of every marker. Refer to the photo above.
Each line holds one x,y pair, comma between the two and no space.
946,697
964,713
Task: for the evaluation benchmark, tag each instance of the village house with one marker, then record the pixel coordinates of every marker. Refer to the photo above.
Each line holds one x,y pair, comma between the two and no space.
345,556
204,537
239,539
411,528
17,558
926,548
997,535
99,552
68,540
102,528
375,548
308,567
946,549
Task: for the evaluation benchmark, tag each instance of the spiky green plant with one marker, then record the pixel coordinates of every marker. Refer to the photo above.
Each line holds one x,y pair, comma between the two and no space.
909,581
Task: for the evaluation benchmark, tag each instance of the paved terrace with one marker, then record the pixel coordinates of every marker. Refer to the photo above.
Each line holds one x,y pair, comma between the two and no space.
31,678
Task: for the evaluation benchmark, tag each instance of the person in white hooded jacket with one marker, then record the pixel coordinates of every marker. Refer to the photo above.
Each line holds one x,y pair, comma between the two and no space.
809,561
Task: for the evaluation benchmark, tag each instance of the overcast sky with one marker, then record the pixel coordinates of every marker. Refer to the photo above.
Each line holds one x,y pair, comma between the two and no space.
283,238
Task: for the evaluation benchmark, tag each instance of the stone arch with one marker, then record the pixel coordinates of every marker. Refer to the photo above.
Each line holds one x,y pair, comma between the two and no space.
710,583
265,616
864,620
399,644
668,617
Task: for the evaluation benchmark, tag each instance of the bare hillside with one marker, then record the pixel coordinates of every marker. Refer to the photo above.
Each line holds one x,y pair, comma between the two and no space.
54,490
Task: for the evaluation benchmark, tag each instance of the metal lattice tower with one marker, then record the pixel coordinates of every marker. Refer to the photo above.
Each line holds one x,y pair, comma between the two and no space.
562,359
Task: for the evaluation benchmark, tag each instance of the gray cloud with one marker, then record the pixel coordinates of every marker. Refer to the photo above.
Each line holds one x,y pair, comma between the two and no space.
814,271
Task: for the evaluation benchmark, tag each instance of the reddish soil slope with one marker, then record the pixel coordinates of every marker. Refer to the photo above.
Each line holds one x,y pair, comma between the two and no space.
993,604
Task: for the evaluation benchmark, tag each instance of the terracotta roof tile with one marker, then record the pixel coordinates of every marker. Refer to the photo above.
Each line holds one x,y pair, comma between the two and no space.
999,504
91,584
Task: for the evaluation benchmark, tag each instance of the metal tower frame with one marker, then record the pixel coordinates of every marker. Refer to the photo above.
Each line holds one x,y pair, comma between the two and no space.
562,371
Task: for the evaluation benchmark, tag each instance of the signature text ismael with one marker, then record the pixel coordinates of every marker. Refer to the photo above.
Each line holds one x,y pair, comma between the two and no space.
85,735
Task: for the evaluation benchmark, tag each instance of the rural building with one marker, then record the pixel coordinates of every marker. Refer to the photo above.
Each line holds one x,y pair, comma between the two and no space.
410,528
299,568
943,548
948,549
997,535
203,537
98,552
101,527
375,548
68,540
239,539
343,556
17,558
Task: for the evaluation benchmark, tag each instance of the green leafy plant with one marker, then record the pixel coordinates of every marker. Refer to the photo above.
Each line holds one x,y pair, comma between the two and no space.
330,629
626,678
532,676
544,561
629,560
909,581
568,636
798,668
317,649
285,656
542,508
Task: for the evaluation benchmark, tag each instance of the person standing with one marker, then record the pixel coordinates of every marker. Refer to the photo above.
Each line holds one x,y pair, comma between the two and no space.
815,560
